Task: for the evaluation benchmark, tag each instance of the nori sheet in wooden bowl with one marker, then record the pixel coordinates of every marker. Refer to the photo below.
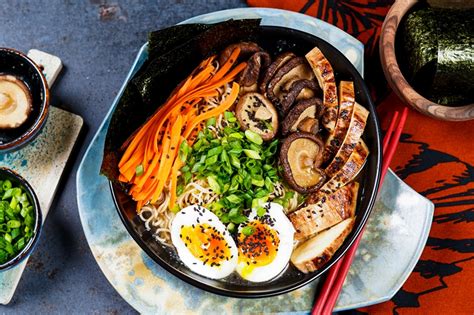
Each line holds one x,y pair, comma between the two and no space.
173,53
454,78
436,53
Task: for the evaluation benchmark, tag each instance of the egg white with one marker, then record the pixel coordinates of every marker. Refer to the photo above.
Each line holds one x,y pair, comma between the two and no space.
198,215
285,230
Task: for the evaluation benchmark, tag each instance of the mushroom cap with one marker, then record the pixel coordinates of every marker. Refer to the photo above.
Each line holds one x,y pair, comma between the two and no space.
280,60
308,108
255,112
15,102
309,124
300,152
293,70
246,49
297,91
250,76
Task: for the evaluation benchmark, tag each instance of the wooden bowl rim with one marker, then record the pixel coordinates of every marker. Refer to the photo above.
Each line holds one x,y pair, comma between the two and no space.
396,78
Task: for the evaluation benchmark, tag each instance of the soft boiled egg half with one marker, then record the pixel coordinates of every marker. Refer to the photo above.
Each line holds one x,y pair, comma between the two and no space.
265,244
203,243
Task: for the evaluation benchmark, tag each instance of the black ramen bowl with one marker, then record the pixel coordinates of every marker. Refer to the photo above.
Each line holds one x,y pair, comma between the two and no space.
13,62
274,40
17,180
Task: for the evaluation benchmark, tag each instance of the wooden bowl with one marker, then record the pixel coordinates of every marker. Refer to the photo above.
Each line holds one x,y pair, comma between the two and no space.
396,79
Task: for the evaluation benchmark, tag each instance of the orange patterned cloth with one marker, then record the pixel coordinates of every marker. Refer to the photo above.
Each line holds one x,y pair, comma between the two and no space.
434,157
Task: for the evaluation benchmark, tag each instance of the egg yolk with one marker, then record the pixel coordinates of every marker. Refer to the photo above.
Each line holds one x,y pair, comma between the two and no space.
206,243
259,248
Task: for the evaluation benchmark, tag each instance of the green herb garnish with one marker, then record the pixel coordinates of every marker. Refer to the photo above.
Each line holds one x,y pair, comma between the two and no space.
237,165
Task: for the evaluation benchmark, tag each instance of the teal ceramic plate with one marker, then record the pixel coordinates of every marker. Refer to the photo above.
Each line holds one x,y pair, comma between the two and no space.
386,248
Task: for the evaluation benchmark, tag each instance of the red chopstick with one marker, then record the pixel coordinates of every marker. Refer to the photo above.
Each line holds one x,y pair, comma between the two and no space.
337,274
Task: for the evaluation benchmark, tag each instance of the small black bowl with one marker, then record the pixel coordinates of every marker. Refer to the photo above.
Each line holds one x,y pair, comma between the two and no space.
17,180
275,40
15,63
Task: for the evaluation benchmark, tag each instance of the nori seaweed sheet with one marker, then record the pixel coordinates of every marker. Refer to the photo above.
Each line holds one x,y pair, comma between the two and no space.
420,41
454,78
438,51
162,41
176,52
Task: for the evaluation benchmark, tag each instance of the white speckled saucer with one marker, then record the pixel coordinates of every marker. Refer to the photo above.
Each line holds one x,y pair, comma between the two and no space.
395,236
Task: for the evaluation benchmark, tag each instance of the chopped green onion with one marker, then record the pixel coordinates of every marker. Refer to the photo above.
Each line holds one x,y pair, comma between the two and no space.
234,161
231,227
183,150
236,135
16,220
7,237
13,224
237,165
234,199
259,182
175,208
211,122
214,151
252,154
6,184
261,211
228,115
253,136
213,184
139,170
248,230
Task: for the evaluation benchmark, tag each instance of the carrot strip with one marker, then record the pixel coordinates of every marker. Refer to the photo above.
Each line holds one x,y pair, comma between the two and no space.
228,102
173,181
155,145
133,145
170,156
227,65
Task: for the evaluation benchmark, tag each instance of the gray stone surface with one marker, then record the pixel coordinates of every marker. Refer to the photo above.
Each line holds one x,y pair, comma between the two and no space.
97,41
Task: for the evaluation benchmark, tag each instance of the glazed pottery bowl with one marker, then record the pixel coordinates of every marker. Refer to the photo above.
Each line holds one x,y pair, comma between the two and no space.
18,180
15,63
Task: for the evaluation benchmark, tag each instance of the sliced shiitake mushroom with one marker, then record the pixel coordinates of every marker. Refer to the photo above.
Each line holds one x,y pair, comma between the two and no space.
280,60
251,74
257,113
309,124
295,92
293,70
308,108
300,152
246,49
15,102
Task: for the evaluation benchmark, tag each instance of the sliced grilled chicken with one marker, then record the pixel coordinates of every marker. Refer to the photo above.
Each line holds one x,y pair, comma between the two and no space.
353,134
317,217
306,228
347,173
315,252
346,106
325,75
